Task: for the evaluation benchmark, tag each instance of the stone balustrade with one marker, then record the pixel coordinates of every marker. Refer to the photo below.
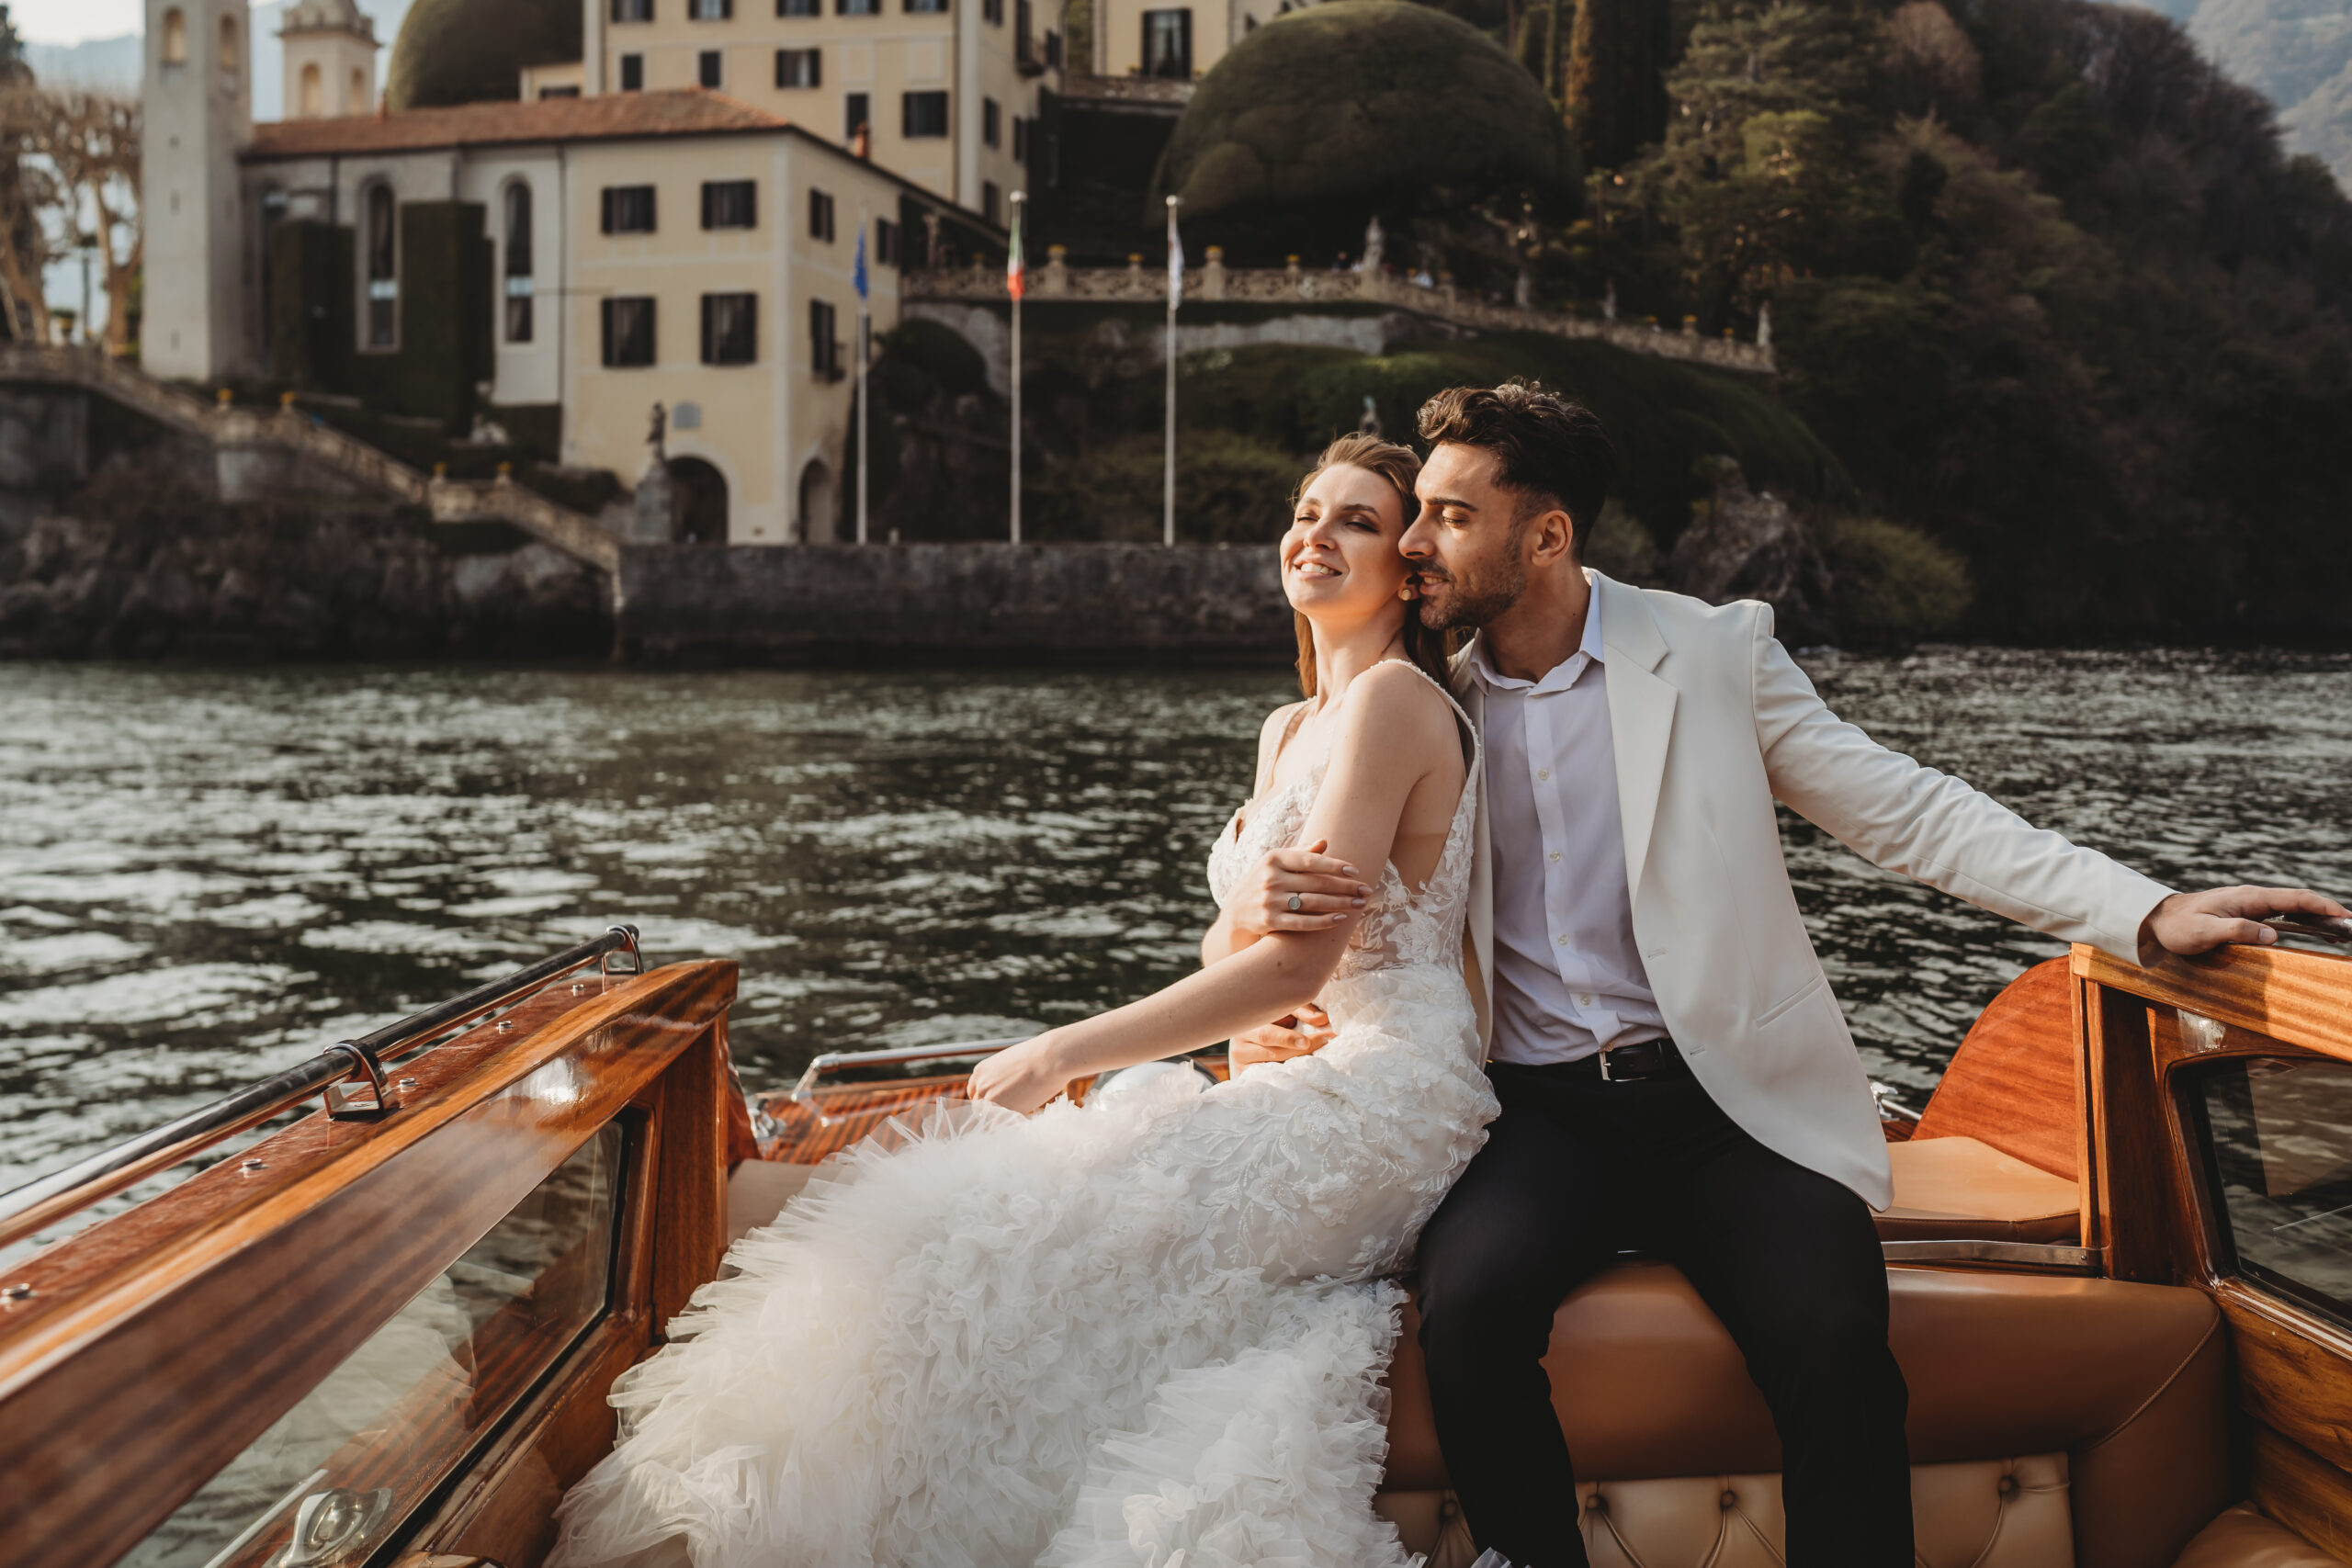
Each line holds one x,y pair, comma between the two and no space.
1295,284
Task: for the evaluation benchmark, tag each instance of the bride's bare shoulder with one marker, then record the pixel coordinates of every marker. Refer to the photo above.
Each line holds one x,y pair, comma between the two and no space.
1394,705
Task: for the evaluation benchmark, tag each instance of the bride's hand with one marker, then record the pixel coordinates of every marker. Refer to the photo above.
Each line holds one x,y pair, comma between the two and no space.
1020,1078
1327,891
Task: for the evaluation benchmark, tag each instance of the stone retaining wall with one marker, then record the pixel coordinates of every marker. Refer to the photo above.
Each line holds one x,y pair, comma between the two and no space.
844,603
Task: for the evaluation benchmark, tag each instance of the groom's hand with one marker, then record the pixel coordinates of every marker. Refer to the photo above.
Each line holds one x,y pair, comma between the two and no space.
1326,888
1303,1033
2191,924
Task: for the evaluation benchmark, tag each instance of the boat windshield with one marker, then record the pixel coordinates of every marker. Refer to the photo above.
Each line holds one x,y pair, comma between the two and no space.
340,1470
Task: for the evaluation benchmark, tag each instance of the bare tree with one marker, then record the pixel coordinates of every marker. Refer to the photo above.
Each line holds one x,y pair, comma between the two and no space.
78,160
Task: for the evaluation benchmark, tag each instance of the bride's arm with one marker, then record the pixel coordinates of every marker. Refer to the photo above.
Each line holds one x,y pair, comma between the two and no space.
1329,889
1393,733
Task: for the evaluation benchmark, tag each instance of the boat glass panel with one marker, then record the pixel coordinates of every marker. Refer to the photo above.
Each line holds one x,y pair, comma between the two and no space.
366,1446
2279,1139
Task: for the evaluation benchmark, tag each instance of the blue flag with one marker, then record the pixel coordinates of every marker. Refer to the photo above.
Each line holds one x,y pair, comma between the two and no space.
858,274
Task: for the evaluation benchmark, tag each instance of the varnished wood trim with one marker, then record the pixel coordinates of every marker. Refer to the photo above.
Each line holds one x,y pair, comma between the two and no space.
690,1201
2301,1490
125,1382
2302,999
2127,1120
2294,1369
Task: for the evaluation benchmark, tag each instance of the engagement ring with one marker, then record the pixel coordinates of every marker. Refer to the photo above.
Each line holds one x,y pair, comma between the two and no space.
1294,903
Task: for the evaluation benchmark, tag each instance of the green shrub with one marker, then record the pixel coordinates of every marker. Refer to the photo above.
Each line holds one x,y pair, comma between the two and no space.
1892,583
1229,489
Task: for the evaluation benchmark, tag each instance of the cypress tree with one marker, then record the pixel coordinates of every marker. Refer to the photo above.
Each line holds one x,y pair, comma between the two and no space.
1615,88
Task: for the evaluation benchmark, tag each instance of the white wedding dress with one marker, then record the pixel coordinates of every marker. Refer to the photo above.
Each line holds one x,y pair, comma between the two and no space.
1147,1332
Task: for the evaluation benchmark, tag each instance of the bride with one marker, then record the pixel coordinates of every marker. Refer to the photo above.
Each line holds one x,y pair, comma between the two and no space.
1150,1331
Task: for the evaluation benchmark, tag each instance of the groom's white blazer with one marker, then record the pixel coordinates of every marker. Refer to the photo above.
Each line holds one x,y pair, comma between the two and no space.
1713,722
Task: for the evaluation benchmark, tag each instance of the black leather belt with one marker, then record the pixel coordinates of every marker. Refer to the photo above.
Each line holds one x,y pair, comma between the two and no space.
1630,1064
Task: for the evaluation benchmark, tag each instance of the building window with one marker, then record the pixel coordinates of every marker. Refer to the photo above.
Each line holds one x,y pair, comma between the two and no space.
632,10
632,73
991,202
926,7
799,68
311,96
628,210
570,90
825,348
730,204
886,243
1020,140
628,333
731,333
857,7
1168,44
820,216
175,37
992,11
923,114
383,268
799,7
707,68
991,122
860,115
229,58
518,262
709,10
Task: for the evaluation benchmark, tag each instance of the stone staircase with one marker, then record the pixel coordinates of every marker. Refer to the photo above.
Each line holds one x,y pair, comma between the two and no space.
233,432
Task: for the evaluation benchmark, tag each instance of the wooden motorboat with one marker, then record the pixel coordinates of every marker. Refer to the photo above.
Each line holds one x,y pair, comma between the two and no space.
2121,1259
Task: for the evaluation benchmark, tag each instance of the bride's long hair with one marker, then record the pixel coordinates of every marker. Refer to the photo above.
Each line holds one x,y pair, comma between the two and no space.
1400,467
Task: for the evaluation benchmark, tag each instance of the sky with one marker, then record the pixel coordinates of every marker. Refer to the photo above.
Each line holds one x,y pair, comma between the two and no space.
73,21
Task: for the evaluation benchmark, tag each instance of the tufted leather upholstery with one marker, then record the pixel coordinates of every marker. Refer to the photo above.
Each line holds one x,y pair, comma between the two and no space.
2123,1383
1992,1514
2242,1537
1959,1189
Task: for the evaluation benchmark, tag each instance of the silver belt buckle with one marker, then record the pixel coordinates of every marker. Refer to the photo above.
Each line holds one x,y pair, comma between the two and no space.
1606,1076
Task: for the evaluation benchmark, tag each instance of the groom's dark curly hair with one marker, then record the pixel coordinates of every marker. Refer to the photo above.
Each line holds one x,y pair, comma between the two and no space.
1553,451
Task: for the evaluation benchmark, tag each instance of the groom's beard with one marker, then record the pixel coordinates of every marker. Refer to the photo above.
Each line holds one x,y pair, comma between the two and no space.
1450,602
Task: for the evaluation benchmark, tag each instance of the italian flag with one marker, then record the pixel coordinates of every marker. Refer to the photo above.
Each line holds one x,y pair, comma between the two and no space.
1016,266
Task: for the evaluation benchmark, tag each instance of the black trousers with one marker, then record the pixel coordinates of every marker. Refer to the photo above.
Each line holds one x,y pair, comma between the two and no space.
1575,1170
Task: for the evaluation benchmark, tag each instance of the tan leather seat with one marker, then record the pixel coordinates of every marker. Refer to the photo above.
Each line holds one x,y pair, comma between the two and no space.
2111,1392
1961,1189
2242,1537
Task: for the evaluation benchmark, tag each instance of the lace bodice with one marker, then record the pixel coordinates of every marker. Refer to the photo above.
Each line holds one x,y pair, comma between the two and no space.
1399,925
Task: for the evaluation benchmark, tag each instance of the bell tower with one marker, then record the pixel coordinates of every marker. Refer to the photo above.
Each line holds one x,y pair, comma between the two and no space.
330,59
197,92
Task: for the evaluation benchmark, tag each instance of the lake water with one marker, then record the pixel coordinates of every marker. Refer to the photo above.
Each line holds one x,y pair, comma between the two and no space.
205,875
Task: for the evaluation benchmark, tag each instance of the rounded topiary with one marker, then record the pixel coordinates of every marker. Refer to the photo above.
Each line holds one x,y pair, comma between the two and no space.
1373,104
468,52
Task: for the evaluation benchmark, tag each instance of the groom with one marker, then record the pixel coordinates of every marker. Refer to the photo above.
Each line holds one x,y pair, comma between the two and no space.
1673,1070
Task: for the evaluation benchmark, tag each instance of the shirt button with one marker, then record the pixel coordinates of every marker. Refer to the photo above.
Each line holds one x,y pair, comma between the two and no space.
1585,997
1555,854
1561,939
1542,772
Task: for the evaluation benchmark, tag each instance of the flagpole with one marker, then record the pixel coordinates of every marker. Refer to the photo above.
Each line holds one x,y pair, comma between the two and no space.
1016,279
1175,293
864,353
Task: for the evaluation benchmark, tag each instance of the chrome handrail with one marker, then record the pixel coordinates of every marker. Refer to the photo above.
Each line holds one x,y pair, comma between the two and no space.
892,1056
47,1198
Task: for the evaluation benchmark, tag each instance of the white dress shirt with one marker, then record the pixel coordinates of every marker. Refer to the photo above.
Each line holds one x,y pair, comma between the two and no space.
1568,980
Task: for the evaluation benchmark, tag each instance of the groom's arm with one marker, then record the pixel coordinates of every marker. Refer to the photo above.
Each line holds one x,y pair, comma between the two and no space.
1909,817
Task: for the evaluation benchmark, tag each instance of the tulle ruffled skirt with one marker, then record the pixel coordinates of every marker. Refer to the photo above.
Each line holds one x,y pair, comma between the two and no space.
1144,1334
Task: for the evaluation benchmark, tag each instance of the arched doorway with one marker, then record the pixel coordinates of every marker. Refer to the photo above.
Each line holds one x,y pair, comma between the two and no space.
818,515
702,501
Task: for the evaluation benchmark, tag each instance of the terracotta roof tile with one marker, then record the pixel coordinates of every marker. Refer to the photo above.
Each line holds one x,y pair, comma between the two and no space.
606,116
